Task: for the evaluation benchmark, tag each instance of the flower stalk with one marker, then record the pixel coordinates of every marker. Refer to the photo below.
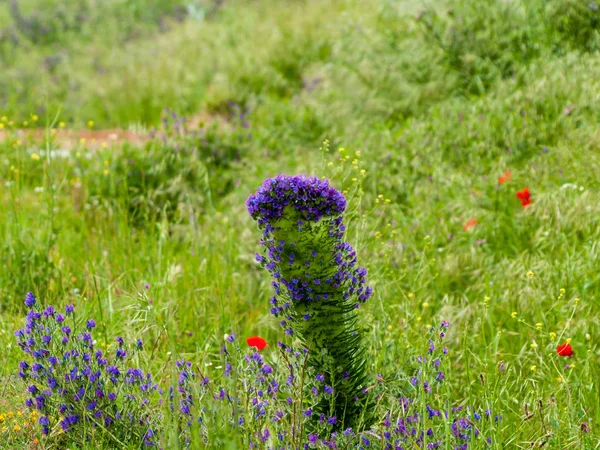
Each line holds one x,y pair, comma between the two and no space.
318,286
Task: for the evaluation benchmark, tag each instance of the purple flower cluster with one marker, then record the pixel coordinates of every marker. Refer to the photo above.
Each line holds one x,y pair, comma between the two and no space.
269,403
190,390
68,377
270,408
310,197
402,428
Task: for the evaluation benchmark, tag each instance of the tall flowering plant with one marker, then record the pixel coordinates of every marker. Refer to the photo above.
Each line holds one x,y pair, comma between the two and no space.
318,286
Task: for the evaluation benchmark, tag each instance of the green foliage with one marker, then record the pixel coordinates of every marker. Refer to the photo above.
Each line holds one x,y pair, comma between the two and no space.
483,47
576,22
51,22
177,175
157,180
27,264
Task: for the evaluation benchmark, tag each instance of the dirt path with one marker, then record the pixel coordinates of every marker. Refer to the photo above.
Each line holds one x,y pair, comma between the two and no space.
68,139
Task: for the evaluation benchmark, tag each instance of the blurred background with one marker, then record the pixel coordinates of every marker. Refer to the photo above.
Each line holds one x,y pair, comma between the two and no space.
121,62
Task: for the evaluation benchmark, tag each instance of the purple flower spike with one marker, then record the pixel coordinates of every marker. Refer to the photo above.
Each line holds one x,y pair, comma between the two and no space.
317,283
29,299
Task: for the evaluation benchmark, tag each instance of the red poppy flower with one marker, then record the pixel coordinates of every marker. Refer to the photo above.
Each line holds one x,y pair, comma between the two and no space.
256,341
469,224
525,197
564,350
504,178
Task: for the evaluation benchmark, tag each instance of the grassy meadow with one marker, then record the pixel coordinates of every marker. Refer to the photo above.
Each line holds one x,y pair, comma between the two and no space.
428,116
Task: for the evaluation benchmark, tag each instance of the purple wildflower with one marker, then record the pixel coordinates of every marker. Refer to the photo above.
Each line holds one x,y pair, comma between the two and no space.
30,299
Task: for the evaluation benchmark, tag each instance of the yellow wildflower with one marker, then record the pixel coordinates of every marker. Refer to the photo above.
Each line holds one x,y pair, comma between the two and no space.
35,156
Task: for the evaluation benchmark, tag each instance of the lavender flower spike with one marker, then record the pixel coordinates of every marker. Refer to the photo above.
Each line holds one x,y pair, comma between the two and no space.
318,287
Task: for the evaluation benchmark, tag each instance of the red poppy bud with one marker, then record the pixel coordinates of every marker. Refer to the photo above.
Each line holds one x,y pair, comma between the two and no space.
564,350
469,224
504,178
256,341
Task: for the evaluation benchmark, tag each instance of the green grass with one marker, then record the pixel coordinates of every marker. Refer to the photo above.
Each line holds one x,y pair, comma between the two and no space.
440,99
